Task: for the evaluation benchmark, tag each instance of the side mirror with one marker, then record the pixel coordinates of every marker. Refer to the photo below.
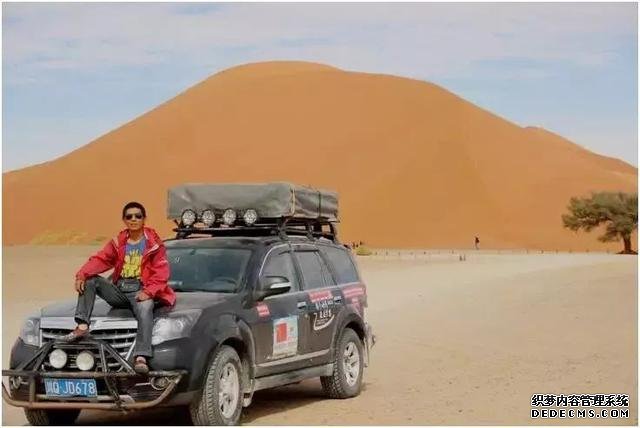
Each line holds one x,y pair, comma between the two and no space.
272,285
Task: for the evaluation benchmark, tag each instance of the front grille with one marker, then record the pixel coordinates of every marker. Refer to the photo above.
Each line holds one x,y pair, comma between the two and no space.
122,340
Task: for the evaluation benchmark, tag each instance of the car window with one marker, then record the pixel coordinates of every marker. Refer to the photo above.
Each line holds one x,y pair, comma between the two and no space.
342,264
207,269
314,270
282,265
326,272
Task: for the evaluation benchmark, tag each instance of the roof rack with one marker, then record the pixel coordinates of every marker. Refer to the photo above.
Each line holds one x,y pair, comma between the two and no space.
282,227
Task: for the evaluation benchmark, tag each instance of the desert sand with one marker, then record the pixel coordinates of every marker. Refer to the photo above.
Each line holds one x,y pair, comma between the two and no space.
398,151
459,342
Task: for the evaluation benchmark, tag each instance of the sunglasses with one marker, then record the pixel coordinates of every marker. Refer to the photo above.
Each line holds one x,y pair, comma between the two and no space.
131,216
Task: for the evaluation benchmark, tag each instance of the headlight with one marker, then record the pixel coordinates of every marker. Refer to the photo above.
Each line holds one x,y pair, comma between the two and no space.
229,217
30,332
208,218
189,217
250,217
173,327
85,360
58,358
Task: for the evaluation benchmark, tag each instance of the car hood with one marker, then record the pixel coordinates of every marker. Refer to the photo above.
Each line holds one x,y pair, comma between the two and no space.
184,302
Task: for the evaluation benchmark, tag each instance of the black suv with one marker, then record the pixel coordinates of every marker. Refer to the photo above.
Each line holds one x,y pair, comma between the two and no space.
256,308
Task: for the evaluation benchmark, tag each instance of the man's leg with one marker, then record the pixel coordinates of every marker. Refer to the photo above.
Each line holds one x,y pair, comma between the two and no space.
103,288
95,285
112,294
86,301
144,314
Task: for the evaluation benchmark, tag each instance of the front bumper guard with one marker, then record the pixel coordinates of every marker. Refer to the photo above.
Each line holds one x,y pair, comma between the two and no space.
112,401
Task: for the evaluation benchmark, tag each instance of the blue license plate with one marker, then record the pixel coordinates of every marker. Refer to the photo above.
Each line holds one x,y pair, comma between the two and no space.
70,387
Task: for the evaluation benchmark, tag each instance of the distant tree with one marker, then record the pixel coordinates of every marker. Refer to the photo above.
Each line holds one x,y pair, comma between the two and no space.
616,210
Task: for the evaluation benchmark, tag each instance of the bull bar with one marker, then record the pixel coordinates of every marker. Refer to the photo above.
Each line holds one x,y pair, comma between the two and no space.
115,401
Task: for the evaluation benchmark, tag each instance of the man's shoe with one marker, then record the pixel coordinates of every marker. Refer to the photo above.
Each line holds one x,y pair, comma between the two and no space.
75,335
141,366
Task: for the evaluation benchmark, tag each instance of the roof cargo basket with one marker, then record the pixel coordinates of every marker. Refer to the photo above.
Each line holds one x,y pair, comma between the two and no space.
253,210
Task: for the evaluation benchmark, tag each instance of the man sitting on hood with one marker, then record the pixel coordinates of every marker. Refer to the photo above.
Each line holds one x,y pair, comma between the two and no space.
139,281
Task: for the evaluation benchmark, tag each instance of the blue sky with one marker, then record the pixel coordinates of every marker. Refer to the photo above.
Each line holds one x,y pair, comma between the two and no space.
74,71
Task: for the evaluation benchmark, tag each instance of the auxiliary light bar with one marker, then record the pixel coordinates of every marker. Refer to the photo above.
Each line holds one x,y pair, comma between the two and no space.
209,219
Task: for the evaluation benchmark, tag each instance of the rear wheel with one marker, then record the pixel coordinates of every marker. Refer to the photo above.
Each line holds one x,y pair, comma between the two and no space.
348,367
51,416
220,401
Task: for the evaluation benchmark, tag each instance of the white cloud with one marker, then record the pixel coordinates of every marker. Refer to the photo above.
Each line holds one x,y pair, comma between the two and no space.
411,39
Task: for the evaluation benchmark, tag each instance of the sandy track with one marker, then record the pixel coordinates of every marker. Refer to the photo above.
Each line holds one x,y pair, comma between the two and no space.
459,342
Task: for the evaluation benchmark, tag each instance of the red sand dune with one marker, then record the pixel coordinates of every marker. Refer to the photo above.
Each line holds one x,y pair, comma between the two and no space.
415,165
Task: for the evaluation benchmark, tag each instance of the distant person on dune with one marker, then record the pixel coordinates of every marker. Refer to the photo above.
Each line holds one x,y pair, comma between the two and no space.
140,274
477,243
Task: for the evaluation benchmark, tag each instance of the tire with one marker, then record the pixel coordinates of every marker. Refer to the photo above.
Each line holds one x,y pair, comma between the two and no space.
346,383
216,404
51,416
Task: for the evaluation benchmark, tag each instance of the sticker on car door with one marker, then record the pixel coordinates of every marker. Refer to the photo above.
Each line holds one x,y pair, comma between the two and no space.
285,337
323,309
263,310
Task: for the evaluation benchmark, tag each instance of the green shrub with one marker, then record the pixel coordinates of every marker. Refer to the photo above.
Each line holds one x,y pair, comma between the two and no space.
363,251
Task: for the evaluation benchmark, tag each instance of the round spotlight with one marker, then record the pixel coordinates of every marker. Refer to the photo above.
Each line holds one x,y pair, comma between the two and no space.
159,383
250,217
208,217
189,217
58,358
229,217
16,382
85,361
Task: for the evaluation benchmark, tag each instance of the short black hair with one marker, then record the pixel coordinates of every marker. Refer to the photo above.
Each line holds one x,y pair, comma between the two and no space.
134,205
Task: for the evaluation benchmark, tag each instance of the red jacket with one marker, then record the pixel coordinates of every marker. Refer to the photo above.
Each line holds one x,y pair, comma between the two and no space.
154,267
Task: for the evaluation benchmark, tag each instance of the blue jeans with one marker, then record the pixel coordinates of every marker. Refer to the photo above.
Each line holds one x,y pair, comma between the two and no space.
143,311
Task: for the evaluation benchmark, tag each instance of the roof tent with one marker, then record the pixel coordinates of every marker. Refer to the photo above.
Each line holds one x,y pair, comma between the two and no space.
235,208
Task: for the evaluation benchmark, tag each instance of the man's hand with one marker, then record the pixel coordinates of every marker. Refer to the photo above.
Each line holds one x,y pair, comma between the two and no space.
142,296
79,285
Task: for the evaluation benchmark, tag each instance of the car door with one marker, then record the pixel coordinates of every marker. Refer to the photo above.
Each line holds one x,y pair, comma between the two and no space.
324,301
350,286
280,331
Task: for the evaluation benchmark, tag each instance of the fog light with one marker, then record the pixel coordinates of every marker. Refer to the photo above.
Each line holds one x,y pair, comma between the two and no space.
85,361
58,358
159,383
250,217
229,217
208,218
189,217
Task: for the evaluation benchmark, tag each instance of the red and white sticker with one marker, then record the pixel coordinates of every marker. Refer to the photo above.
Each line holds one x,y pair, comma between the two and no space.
353,291
316,296
285,337
263,310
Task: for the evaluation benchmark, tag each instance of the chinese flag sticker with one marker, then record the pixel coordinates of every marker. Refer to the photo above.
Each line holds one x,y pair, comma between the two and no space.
281,332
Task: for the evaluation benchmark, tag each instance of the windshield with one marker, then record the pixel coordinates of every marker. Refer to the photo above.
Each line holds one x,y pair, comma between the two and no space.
207,269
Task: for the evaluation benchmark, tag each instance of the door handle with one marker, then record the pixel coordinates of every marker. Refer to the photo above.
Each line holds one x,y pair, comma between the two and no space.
302,305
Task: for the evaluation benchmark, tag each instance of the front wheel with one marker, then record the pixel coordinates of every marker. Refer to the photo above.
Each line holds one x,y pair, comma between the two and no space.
348,367
220,401
51,416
